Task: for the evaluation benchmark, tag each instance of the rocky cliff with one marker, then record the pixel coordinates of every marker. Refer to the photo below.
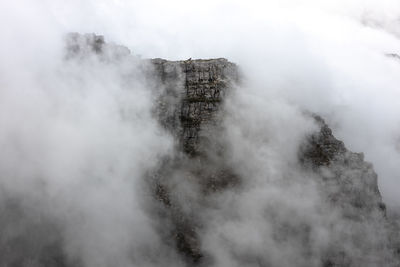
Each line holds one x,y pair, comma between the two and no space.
349,183
190,106
198,90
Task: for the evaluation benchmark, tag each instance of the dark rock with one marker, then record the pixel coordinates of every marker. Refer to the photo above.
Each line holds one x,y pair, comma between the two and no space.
393,55
199,86
189,106
355,179
84,46
189,109
350,185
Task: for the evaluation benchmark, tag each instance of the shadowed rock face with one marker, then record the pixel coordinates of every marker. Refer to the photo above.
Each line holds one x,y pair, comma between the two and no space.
355,179
350,185
190,107
199,87
348,182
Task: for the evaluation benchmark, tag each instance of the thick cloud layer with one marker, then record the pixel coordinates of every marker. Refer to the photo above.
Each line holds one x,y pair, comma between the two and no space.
77,138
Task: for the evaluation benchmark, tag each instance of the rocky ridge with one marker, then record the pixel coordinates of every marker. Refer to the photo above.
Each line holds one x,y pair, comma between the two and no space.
190,107
350,182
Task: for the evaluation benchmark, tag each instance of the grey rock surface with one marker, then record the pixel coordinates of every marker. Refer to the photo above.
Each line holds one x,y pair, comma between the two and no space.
190,107
355,180
198,88
350,185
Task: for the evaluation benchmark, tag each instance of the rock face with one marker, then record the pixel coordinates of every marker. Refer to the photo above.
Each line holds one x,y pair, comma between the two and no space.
202,85
190,108
355,179
348,182
350,185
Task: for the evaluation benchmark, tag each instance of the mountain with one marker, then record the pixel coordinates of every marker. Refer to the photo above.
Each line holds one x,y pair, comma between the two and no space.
322,209
348,183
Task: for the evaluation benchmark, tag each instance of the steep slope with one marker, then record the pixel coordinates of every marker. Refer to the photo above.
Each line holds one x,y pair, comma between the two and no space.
343,224
350,185
347,182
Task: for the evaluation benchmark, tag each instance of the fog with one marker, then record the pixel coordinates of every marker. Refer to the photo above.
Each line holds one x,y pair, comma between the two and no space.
79,137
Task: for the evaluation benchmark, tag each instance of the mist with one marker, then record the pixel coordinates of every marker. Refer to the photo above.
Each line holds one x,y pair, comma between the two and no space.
80,140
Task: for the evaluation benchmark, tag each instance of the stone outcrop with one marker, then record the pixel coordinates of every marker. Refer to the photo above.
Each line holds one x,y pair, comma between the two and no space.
189,106
355,179
198,88
350,186
348,182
